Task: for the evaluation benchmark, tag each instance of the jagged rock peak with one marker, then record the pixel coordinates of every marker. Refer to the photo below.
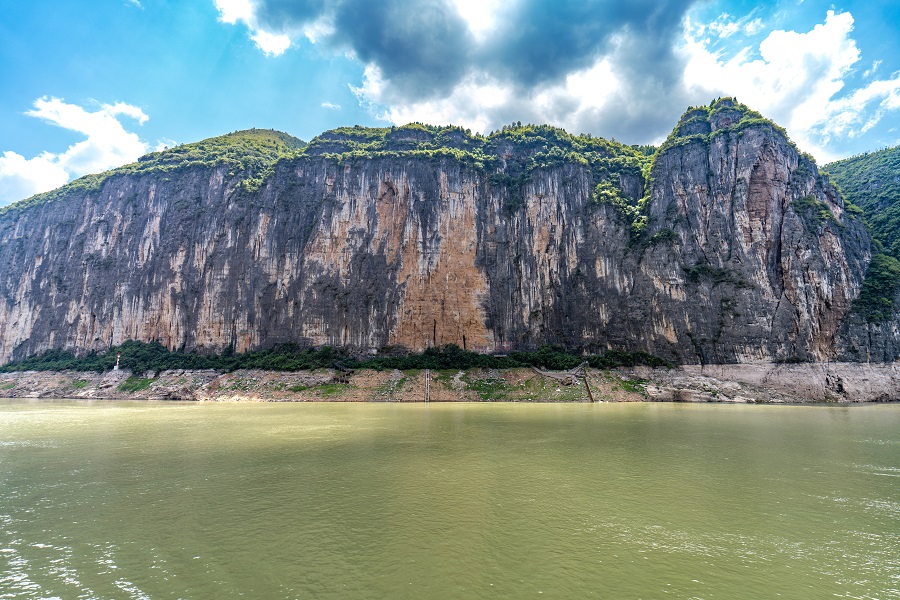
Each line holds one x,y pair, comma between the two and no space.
701,123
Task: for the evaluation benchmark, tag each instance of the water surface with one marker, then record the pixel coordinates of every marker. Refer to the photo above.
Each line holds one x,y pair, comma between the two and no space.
184,500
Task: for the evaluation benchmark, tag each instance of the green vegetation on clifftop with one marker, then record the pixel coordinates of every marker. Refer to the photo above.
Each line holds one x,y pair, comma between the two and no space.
510,153
877,300
248,153
702,124
507,157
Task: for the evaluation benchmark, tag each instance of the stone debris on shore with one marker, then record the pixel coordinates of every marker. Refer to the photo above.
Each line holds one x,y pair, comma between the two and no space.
744,383
475,385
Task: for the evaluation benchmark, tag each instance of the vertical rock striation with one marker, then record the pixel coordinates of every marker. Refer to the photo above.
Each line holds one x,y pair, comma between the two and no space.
760,256
735,249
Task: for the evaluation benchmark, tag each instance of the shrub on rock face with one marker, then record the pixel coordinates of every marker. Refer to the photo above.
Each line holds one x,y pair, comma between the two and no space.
140,357
877,300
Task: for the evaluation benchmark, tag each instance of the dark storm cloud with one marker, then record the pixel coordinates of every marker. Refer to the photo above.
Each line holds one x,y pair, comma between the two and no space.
653,94
424,49
286,14
541,41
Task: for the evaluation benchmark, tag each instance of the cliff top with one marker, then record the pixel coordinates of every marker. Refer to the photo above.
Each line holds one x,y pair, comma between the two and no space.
516,138
517,149
241,149
703,123
248,152
509,154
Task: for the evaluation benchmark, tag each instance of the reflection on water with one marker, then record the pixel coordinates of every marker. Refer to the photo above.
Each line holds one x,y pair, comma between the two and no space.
149,500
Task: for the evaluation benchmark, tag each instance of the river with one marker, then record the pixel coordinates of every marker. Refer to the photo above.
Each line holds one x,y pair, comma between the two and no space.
194,500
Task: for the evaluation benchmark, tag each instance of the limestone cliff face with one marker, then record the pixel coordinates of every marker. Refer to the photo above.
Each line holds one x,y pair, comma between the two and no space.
738,251
860,340
763,263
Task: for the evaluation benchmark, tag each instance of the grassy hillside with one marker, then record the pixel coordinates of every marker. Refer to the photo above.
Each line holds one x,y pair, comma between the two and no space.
248,152
872,182
252,149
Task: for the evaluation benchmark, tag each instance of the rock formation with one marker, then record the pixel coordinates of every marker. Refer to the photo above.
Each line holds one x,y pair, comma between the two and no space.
730,248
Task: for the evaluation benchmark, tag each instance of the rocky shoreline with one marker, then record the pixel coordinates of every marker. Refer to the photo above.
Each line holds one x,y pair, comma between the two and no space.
735,383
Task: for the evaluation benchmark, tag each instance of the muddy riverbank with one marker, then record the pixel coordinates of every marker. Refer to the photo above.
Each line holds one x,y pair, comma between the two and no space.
746,383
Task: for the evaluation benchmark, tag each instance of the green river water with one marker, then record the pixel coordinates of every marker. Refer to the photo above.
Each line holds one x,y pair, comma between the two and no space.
185,500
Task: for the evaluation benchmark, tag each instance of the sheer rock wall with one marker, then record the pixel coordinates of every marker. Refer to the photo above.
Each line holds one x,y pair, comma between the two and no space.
419,252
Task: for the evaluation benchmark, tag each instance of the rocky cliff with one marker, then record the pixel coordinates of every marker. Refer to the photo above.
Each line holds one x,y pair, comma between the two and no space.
725,246
871,182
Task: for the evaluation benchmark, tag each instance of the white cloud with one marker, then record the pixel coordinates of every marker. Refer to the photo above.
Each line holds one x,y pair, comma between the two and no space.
108,145
480,15
232,11
271,44
869,72
797,82
21,177
472,104
724,26
320,29
753,27
331,106
242,11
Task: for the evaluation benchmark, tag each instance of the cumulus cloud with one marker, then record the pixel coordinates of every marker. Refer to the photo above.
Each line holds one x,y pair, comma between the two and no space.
587,65
233,11
331,106
271,44
798,81
619,69
22,177
107,145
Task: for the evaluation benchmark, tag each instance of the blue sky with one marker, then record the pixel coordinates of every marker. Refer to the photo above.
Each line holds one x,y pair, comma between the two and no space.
90,85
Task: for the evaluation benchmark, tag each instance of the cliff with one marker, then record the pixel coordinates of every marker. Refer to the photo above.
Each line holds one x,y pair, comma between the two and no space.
871,182
727,245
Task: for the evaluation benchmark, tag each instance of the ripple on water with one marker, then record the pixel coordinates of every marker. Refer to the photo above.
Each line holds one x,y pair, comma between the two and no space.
444,502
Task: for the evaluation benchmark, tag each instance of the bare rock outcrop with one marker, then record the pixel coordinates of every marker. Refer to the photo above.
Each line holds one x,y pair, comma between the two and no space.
734,249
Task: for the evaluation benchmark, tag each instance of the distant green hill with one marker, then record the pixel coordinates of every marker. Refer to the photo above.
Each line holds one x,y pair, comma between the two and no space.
872,182
247,152
250,149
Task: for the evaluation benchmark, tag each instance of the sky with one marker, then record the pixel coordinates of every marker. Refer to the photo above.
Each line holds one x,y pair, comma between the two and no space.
89,85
